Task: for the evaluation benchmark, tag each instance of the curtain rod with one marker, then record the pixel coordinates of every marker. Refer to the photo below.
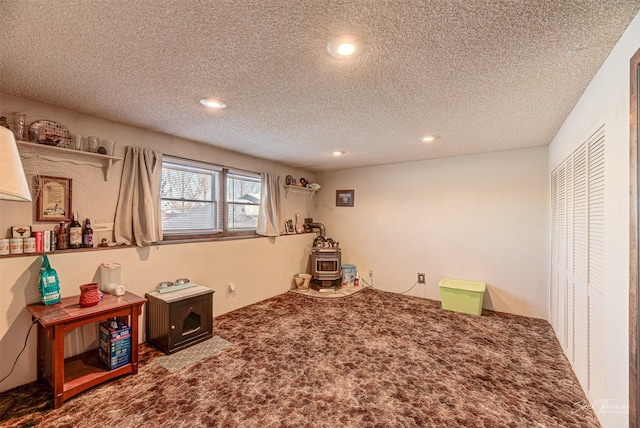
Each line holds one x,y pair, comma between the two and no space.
213,164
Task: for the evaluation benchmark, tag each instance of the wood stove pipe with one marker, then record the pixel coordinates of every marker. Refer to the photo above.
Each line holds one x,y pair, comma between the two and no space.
320,226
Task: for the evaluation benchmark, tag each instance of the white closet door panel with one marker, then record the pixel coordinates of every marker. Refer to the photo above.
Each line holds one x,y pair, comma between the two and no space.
553,298
570,319
577,278
596,219
596,344
581,334
561,296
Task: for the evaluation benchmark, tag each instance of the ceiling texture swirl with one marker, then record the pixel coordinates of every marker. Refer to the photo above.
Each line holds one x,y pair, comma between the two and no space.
480,75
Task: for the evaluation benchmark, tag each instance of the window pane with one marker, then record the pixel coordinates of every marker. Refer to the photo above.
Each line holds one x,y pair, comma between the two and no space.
183,182
190,202
195,217
243,198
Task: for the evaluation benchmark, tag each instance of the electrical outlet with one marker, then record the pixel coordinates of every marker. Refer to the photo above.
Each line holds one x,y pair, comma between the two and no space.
421,278
370,273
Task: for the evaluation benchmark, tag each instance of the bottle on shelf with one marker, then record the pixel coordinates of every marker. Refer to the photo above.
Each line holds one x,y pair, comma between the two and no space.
62,241
75,233
299,228
87,235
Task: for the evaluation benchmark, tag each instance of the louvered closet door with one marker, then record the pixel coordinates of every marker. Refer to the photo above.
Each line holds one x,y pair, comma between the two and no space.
562,254
580,301
577,260
553,296
596,262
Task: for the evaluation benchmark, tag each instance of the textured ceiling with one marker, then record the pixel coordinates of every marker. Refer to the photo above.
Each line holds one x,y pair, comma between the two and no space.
484,75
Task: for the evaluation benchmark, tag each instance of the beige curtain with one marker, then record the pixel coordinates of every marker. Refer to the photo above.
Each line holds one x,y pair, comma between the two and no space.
270,202
138,219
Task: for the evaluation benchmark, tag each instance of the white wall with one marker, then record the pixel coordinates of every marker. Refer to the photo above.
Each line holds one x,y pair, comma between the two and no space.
606,100
481,217
260,267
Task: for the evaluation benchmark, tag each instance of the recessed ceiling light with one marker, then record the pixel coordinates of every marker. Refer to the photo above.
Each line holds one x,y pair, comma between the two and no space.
337,153
428,138
344,46
213,103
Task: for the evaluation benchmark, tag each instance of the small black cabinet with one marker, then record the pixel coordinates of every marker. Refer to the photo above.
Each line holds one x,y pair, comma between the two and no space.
179,319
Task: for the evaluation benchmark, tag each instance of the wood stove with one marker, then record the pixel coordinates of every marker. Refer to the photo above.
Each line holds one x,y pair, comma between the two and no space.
326,264
326,261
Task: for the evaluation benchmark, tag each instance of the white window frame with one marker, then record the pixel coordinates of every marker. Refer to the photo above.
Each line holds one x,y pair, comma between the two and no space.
221,207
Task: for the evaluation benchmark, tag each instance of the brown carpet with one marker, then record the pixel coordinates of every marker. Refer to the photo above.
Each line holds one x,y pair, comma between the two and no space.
374,359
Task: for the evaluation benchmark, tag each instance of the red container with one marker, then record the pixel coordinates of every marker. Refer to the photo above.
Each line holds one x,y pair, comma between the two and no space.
89,295
39,235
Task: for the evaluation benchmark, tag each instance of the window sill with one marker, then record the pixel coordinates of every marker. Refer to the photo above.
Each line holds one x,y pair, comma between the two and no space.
196,239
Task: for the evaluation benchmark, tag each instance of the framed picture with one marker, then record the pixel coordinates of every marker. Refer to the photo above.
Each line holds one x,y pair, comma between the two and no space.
344,198
54,198
289,227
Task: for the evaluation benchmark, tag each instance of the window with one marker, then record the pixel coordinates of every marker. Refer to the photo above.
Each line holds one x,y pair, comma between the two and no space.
243,201
205,200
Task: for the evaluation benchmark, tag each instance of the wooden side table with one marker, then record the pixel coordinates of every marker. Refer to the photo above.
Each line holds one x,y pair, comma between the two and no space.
79,373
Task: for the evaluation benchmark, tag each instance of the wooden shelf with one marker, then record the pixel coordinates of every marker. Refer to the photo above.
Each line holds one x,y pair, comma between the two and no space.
59,154
86,370
298,189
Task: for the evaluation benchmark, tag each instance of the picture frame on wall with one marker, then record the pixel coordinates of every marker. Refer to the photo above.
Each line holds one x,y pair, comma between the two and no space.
54,198
344,198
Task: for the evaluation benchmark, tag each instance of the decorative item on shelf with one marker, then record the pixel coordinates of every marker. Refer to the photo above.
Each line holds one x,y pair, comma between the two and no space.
290,229
18,125
50,133
299,228
29,245
289,180
303,182
21,231
92,144
75,232
16,245
77,142
87,235
4,246
107,147
89,295
62,239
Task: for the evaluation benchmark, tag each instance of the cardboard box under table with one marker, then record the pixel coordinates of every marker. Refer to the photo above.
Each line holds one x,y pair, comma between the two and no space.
115,344
462,296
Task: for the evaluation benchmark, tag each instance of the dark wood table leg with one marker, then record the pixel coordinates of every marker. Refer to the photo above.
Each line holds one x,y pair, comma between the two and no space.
135,312
41,353
57,374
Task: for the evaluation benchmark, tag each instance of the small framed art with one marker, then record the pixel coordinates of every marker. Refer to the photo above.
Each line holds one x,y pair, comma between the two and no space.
289,227
54,198
344,198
